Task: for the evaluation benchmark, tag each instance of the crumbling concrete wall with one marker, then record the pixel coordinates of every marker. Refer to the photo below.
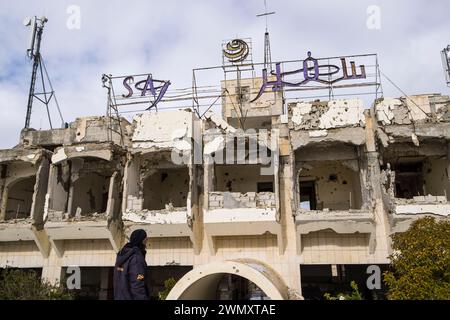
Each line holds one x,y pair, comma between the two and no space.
417,109
436,178
326,114
94,129
240,178
235,200
337,183
163,130
166,187
90,194
430,158
237,98
153,182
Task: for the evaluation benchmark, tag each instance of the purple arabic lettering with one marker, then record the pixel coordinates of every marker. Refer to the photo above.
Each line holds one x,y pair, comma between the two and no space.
311,72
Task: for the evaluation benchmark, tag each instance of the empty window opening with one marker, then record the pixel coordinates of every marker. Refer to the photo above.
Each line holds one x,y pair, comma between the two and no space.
409,180
166,188
308,195
90,194
20,198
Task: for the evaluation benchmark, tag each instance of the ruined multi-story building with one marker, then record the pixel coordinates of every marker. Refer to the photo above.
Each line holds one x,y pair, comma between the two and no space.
298,203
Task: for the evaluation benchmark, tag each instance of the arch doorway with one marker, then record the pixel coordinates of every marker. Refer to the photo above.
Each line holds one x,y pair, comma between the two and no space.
226,280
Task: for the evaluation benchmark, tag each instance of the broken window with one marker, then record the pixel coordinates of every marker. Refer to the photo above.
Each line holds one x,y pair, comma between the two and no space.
20,198
166,188
90,194
333,185
307,195
409,180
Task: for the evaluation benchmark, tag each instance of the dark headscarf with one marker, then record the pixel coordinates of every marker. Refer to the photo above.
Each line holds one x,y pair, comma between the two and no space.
137,240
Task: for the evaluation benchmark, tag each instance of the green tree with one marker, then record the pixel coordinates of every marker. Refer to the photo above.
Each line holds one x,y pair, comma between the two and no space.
354,295
168,285
16,284
420,263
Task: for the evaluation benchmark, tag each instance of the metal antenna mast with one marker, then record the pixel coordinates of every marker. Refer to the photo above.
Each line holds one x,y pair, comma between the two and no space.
33,53
267,52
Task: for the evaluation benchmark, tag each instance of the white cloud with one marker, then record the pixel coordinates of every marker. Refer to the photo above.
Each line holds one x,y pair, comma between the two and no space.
169,38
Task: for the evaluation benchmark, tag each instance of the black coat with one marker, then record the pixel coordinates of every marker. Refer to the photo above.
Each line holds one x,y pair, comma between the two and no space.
130,275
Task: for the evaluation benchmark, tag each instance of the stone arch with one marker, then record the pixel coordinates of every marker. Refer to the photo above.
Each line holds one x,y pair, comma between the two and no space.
200,283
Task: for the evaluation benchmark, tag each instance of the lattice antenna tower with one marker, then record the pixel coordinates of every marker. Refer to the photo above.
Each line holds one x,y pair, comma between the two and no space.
39,71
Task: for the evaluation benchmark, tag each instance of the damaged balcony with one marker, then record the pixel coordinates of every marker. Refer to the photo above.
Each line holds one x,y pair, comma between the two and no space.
242,197
416,182
23,184
159,181
331,192
83,200
413,133
158,195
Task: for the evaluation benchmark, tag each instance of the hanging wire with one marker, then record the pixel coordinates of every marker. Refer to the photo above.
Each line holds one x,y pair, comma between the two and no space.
53,91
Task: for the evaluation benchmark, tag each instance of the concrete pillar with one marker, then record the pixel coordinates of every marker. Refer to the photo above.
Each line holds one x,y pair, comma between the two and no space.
40,190
3,169
4,203
104,283
382,227
448,165
364,179
292,275
51,270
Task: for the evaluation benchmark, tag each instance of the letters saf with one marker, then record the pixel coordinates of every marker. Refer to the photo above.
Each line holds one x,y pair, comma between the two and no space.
157,88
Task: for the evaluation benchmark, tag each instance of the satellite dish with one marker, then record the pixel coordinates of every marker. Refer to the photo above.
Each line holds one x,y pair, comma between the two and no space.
27,22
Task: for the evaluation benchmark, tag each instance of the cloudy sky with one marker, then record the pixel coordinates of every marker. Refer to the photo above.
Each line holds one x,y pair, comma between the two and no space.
169,38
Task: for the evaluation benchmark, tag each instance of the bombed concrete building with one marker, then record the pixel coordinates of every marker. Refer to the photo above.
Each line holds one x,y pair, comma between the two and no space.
271,197
340,179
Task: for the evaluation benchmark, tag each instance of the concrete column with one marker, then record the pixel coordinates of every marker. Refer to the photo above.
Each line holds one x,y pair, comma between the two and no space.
51,270
4,203
104,283
364,179
382,227
448,165
291,275
2,189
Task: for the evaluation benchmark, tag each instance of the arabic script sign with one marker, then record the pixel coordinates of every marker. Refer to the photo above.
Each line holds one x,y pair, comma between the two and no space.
311,71
147,86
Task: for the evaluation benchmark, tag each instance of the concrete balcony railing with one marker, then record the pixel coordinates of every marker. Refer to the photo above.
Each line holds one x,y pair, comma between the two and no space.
407,210
232,200
241,214
343,222
168,222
